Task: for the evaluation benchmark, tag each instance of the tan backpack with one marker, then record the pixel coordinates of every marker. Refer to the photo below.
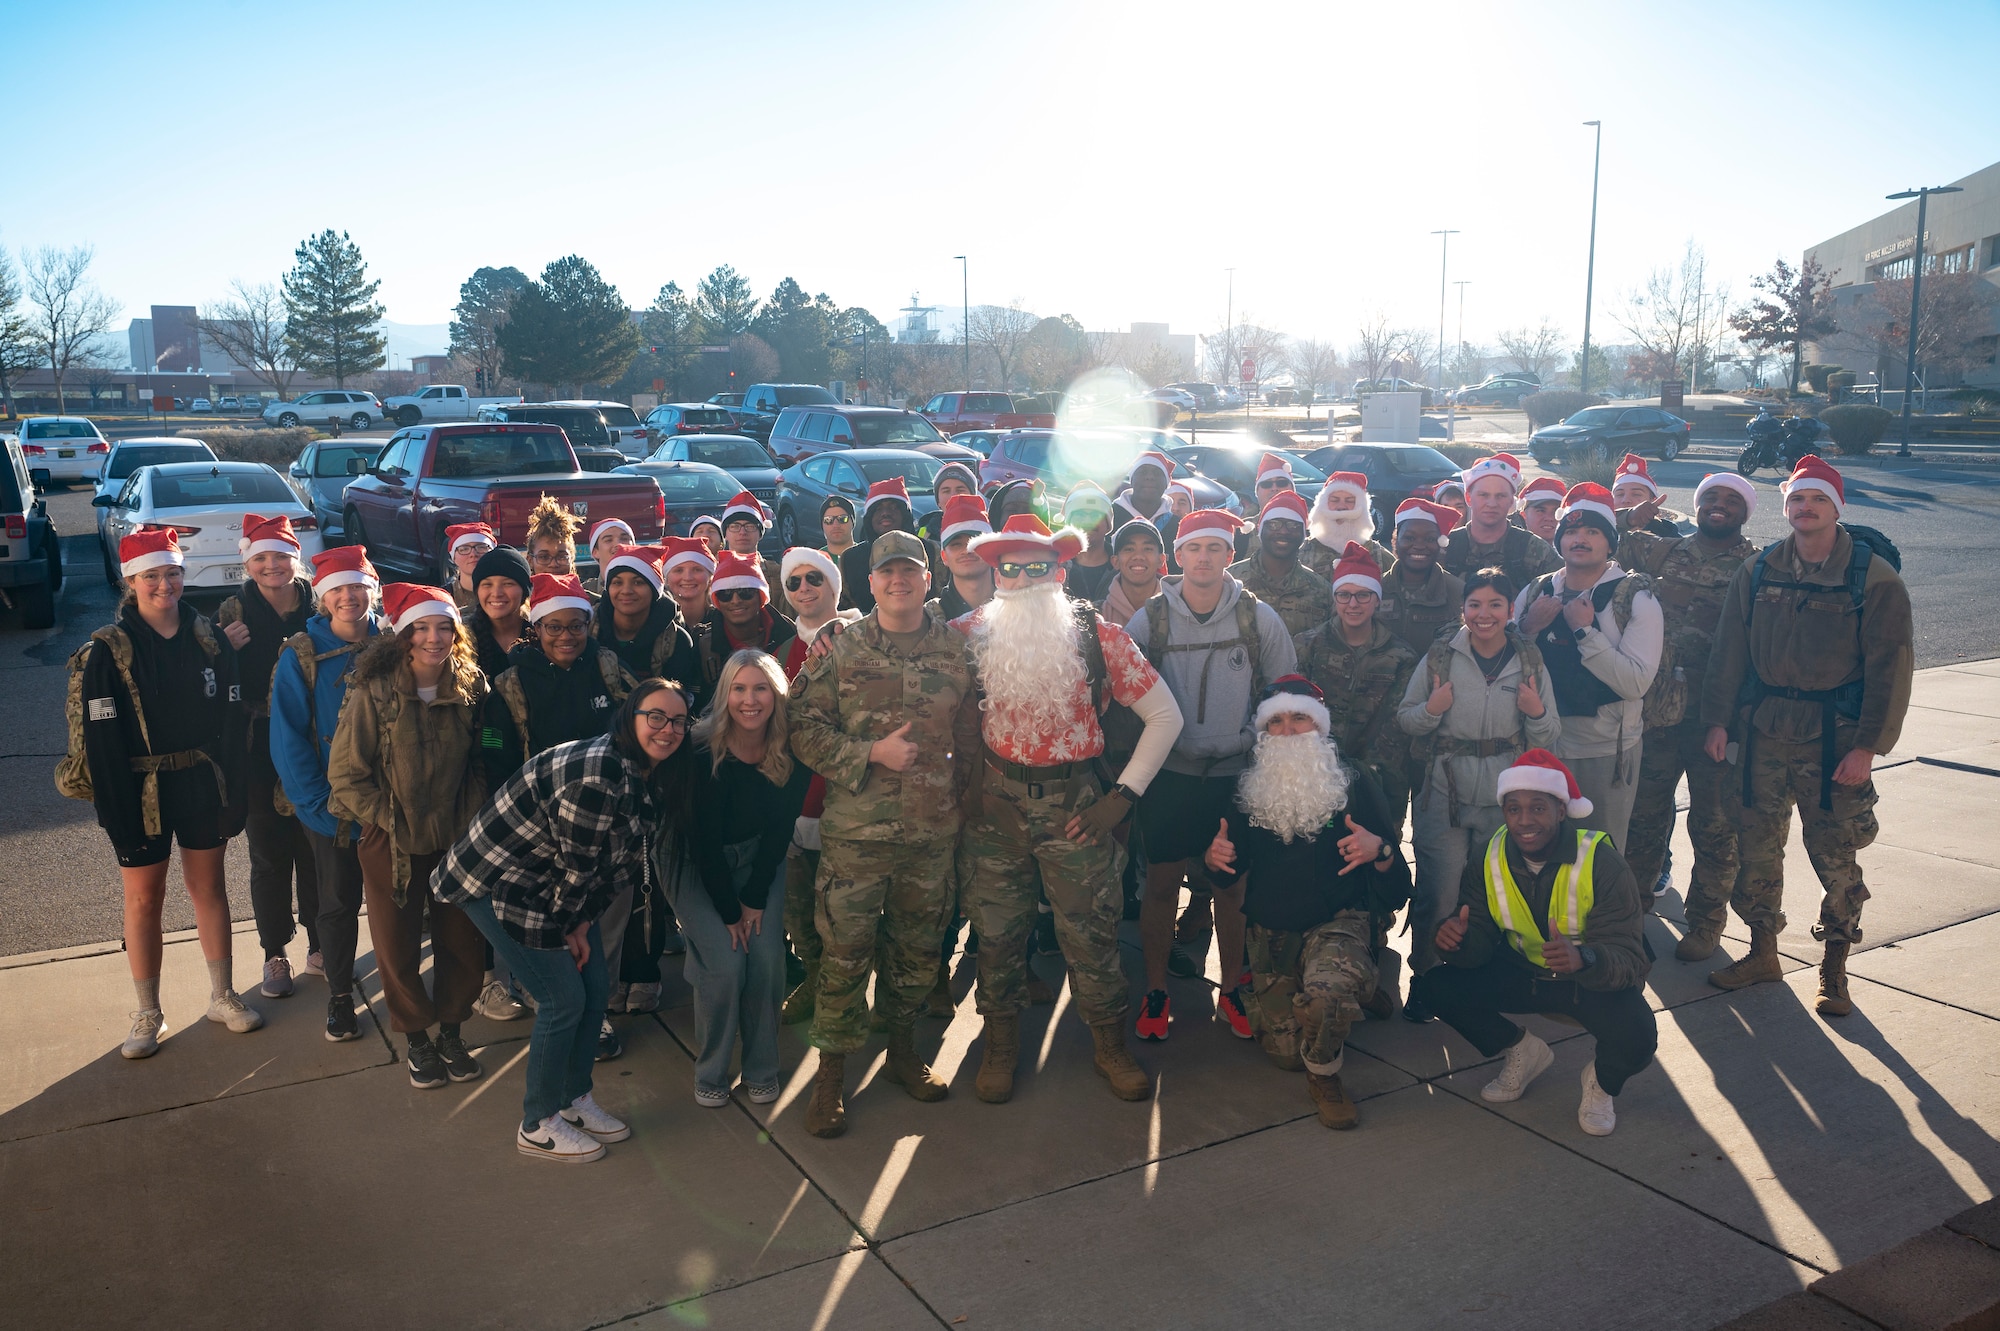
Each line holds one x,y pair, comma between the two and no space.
73,770
301,646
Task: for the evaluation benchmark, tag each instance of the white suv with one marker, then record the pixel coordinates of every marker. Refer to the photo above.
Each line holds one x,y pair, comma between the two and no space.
62,448
354,409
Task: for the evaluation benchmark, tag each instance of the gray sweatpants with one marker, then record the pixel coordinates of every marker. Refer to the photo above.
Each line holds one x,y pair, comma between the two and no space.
1611,800
736,993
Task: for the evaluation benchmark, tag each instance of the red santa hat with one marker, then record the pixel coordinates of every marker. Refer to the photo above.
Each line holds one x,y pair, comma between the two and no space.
407,602
150,547
1815,473
1152,457
965,514
1449,483
1588,500
467,533
1414,509
705,520
884,491
1217,522
1632,471
1183,489
744,505
641,559
1285,506
553,592
612,524
1503,465
1357,568
1289,694
1542,490
1540,770
678,550
734,572
1348,482
343,566
1272,465
1727,480
267,536
1026,537
805,557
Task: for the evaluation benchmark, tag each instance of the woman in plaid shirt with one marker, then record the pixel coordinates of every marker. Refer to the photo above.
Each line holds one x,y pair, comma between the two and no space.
541,862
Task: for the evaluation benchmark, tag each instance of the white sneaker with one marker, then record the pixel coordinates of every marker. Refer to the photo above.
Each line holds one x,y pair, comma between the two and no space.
643,998
616,1001
232,1012
584,1112
762,1095
710,1098
556,1139
1598,1114
1528,1059
277,978
525,999
496,1004
316,965
147,1028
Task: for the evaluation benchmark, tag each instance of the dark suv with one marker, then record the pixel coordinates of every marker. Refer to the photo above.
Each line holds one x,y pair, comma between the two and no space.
30,550
800,432
762,404
689,418
593,437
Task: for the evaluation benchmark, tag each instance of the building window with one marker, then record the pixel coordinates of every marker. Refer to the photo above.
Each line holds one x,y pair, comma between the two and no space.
1992,244
1955,261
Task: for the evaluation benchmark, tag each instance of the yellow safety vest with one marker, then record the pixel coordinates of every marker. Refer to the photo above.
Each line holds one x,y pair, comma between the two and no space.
1569,901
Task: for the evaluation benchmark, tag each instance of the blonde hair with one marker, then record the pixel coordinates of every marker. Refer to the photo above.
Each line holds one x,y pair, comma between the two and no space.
717,726
552,522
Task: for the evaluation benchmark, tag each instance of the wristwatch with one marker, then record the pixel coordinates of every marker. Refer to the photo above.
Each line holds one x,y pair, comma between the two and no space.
1125,791
1578,633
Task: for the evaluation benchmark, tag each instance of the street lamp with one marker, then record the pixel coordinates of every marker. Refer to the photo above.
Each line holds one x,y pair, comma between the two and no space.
1923,198
965,314
1590,272
1462,283
1444,261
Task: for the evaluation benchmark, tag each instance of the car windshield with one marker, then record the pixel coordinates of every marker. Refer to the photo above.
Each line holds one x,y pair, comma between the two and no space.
1595,416
620,418
873,431
61,430
218,489
705,416
917,473
581,426
344,459
695,487
727,453
501,455
806,395
131,457
1417,461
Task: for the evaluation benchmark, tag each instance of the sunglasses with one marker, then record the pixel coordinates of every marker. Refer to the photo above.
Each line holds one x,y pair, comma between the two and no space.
656,719
838,519
728,594
798,580
1039,569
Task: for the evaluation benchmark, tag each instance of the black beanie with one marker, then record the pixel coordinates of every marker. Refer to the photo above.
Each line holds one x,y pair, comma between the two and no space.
504,561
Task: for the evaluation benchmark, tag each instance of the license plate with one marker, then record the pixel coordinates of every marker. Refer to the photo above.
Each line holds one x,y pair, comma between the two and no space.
65,452
232,573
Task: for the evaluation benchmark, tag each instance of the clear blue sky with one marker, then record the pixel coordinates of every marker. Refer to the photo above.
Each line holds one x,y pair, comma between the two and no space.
1108,160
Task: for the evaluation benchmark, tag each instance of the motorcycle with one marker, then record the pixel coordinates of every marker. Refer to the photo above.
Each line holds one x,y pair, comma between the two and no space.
1779,443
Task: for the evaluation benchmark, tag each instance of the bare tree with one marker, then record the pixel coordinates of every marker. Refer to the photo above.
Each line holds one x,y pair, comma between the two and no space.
1377,346
1000,331
1797,308
1954,316
70,312
1538,350
18,353
1669,315
250,326
1313,363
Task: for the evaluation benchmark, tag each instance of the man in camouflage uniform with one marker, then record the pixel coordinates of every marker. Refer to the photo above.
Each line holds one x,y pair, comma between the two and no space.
1420,599
1690,576
1812,667
1488,539
1274,575
884,716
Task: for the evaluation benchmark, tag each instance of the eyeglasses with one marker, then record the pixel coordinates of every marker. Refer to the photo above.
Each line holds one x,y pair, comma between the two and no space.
553,558
838,519
1039,569
729,594
552,629
798,580
1353,598
1275,483
657,719
473,548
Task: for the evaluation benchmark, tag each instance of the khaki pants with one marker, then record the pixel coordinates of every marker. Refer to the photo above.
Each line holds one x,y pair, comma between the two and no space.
458,949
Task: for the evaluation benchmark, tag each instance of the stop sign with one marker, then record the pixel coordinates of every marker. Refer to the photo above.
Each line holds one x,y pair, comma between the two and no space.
1249,371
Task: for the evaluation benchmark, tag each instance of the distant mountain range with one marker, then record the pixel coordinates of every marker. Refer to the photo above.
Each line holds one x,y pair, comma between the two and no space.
407,340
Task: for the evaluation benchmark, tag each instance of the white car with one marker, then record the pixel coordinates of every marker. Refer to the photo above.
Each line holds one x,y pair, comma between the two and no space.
128,455
205,502
354,409
62,448
201,404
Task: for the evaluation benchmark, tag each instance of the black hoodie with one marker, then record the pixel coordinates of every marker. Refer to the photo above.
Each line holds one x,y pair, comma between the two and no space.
562,703
662,647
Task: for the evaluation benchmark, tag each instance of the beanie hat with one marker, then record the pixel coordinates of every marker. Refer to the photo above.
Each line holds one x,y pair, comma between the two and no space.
881,492
1727,480
1357,568
153,547
504,561
1502,465
555,592
964,514
1294,693
342,566
678,550
961,471
1589,502
464,533
407,602
734,571
1216,522
1541,490
1632,471
1423,510
1086,500
267,535
1285,506
612,524
804,557
641,559
1540,770
1815,473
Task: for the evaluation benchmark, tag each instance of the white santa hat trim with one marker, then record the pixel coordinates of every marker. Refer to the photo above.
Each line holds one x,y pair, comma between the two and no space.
1360,492
596,532
553,604
976,527
1552,781
679,557
1358,580
739,508
151,559
637,564
346,577
1797,483
1727,480
1213,522
803,556
1284,704
1285,506
424,609
267,546
1490,466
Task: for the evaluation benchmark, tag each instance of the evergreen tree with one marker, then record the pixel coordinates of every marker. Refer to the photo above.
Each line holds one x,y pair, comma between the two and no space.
332,322
799,327
725,305
484,300
569,329
669,330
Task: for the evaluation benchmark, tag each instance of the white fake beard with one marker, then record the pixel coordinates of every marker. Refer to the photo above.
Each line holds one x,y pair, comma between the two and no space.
1030,663
1334,530
1294,785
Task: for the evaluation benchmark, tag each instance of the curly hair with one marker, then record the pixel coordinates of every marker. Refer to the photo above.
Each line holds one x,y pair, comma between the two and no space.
552,522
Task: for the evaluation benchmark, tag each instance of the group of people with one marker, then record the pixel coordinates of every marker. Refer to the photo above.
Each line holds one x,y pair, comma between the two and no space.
1016,728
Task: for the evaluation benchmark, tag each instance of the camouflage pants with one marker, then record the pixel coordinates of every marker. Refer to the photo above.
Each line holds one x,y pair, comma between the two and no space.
901,894
1015,835
801,870
1712,791
1308,987
1782,775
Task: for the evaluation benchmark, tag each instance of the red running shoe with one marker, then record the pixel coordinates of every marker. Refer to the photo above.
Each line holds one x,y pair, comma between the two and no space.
1155,1012
1230,1007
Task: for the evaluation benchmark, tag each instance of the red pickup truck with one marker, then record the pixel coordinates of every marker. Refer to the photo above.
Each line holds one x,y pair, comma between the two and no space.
952,412
431,476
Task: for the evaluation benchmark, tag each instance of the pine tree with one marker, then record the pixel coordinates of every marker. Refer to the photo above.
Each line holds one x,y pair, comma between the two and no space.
724,304
332,322
484,302
570,328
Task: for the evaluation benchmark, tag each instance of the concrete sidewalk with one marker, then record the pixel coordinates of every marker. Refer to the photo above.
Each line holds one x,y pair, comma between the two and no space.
275,1178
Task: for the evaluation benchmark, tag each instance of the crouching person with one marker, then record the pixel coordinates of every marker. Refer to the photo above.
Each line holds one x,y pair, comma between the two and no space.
1548,921
1315,837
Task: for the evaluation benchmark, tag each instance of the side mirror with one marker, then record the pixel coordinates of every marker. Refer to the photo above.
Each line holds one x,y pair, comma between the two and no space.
104,501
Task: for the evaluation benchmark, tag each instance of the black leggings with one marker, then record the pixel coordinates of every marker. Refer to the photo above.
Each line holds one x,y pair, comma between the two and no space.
1471,1000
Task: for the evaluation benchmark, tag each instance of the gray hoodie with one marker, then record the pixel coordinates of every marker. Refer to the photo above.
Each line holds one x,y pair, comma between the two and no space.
1214,685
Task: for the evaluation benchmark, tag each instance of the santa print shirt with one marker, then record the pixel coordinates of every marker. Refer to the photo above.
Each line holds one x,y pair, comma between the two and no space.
1128,677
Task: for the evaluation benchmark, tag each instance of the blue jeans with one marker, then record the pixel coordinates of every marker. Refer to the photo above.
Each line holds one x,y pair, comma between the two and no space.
569,1011
736,993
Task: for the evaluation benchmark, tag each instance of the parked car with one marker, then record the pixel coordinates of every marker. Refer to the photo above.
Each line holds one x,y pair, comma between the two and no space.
729,400
1363,387
689,418
1207,396
251,402
757,415
739,455
804,486
952,412
1178,398
979,441
204,502
689,489
1497,390
587,424
319,477
201,405
30,549
1232,460
439,402
1394,472
355,409
431,476
62,448
228,404
1607,433
128,455
1061,458
629,434
800,432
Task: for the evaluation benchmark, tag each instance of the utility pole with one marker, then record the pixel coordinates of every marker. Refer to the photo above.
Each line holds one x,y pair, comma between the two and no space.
965,314
1590,271
1923,198
1461,284
1444,265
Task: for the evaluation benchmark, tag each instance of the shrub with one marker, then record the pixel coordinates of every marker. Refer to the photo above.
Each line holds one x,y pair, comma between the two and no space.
276,448
1816,375
1839,381
1856,427
1463,454
1977,401
1552,405
1597,470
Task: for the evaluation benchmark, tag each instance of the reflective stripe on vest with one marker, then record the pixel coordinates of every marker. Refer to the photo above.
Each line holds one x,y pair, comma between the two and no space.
1569,900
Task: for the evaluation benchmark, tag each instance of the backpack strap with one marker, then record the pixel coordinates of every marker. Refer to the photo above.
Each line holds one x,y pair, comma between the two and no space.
508,686
1253,641
1093,651
204,633
230,611
618,680
1156,629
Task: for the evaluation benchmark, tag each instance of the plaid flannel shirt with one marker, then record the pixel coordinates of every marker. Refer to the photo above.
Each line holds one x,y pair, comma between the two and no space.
555,844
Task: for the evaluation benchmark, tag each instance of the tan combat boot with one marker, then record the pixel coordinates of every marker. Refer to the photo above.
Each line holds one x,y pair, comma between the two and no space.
799,1003
1114,1063
826,1113
1699,943
1833,1000
1331,1101
909,1071
995,1084
1760,967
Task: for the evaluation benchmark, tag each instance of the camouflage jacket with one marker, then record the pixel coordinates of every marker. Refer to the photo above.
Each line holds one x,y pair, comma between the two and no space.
863,690
1523,554
1321,558
1363,686
1302,600
1691,579
1415,615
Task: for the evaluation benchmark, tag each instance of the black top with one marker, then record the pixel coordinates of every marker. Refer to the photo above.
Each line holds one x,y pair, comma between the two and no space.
1086,583
735,804
662,646
1299,886
564,704
255,661
492,656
